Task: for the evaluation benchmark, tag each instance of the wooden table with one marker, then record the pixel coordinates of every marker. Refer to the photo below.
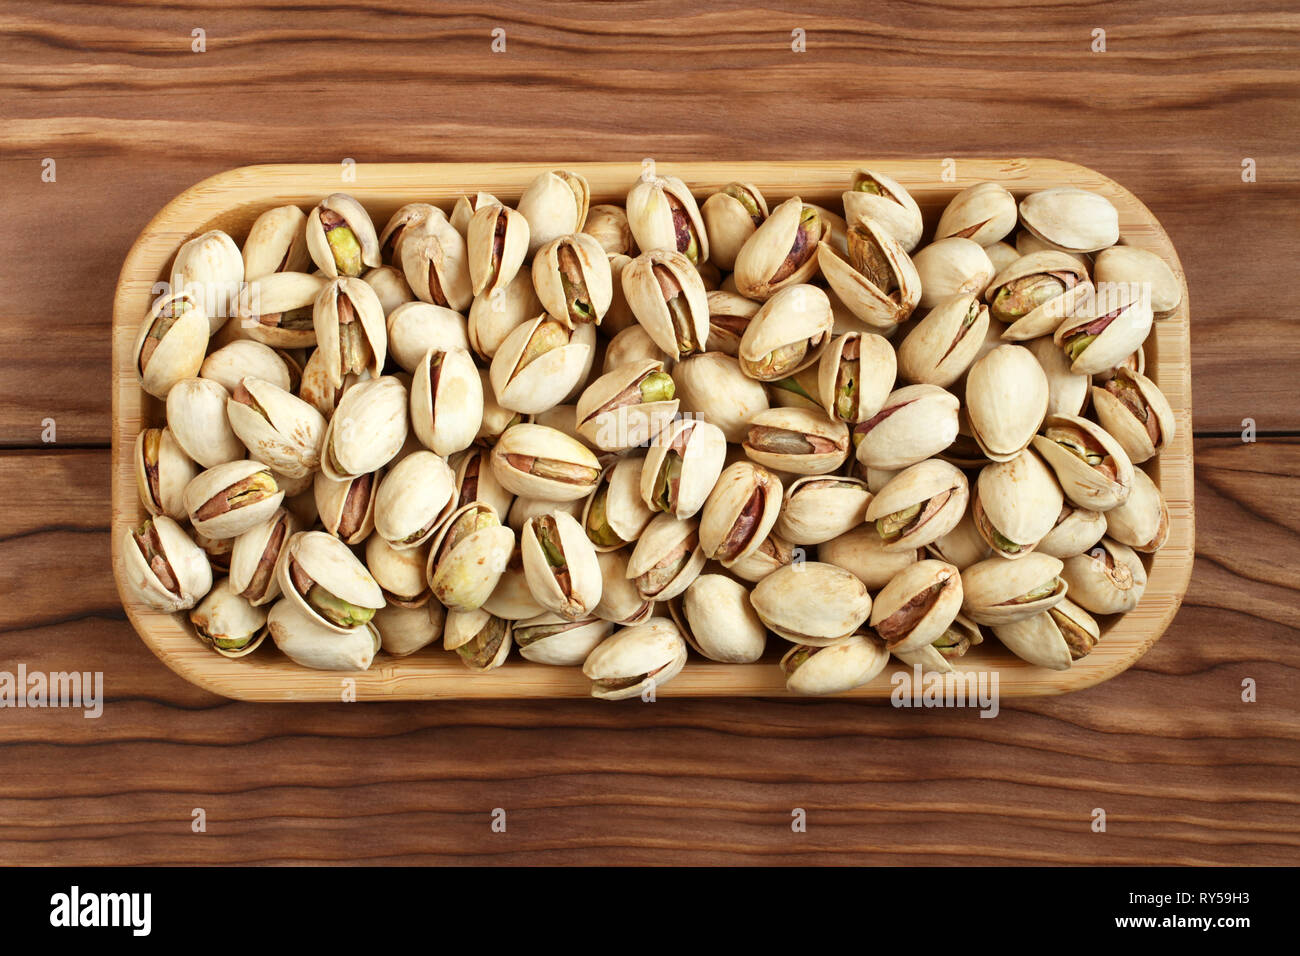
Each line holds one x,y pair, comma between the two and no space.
130,115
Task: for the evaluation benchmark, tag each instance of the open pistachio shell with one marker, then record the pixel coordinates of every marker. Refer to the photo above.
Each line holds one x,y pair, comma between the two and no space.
667,557
873,195
276,427
1141,522
560,565
407,220
416,327
915,423
346,508
401,574
788,333
496,243
540,363
914,609
962,546
341,238
277,309
213,264
620,601
305,640
941,347
835,669
812,603
1076,530
413,497
662,214
771,555
862,553
228,623
541,462
1075,220
446,401
1133,409
730,217
1016,503
404,630
741,510
668,298
573,280
998,591
818,508
550,639
874,277
230,498
468,557
481,640
367,429
729,316
984,213
626,407
1106,330
555,204
162,470
476,481
615,515
320,575
1128,264
920,504
956,639
855,375
781,252
172,341
716,618
256,553
713,386
1067,391
277,242
952,266
636,660
462,211
350,329
1033,294
163,567
1090,464
681,467
1054,638
1006,400
1108,579
435,261
797,440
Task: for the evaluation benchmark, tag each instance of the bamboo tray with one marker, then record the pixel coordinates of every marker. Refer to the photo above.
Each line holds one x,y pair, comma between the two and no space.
232,200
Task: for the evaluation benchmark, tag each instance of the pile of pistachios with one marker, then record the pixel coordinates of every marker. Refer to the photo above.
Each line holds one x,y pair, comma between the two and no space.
610,436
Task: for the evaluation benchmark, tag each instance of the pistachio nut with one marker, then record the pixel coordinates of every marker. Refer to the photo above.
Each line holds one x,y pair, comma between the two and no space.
620,601
1124,265
279,309
213,264
608,225
541,462
218,550
663,215
1006,400
555,204
717,620
435,261
302,636
821,507
560,565
957,638
797,440
615,515
788,333
1067,392
341,238
277,242
627,407
863,553
984,213
493,317
731,215
315,388
408,220
496,244
1090,464
712,386
163,567
739,512
915,423
920,504
772,554
917,607
476,481
800,390
1053,639
511,598
998,591
1076,531
1141,522
172,341
667,557
812,603
1108,579
952,266
367,430
550,639
468,557
631,345
667,296
781,252
874,277
481,640
540,363
446,401
636,660
321,576
276,427
855,375
960,547
573,279
405,630
1016,504
350,329
466,205
681,467
873,195
1132,408
346,509
400,573
1075,220
228,623
1036,292
230,363
162,470
416,327
412,499
230,498
256,553
729,316
941,347
834,669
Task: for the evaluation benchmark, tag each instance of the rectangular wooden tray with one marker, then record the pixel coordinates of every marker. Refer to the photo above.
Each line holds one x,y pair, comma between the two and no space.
232,200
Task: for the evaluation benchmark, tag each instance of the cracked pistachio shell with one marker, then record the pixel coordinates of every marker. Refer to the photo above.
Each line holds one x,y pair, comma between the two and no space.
1108,579
1016,504
636,659
1123,265
729,316
555,204
668,298
162,470
316,389
620,601
788,333
541,462
350,329
781,252
730,217
941,347
408,219
608,225
1075,220
772,554
540,363
984,213
960,547
218,550
1133,409
914,609
550,639
405,630
256,553
613,412
330,565
1053,639
493,317
188,572
226,622
862,553
278,309
1096,487
230,363
277,427
873,195
390,287
277,242
469,555
662,214
465,206
717,620
1006,400
615,514
920,504
496,243
346,508
713,386
476,480
220,480
817,671
367,430
1064,283
511,599
740,512
797,440
836,229
358,249
302,638
1076,530
1067,392
812,603
481,640
170,347
666,558
855,375
399,573
416,327
573,279
560,565
196,415
214,266
446,401
1141,522
681,467
949,267
994,589
435,261
412,498
916,422
874,277
819,508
